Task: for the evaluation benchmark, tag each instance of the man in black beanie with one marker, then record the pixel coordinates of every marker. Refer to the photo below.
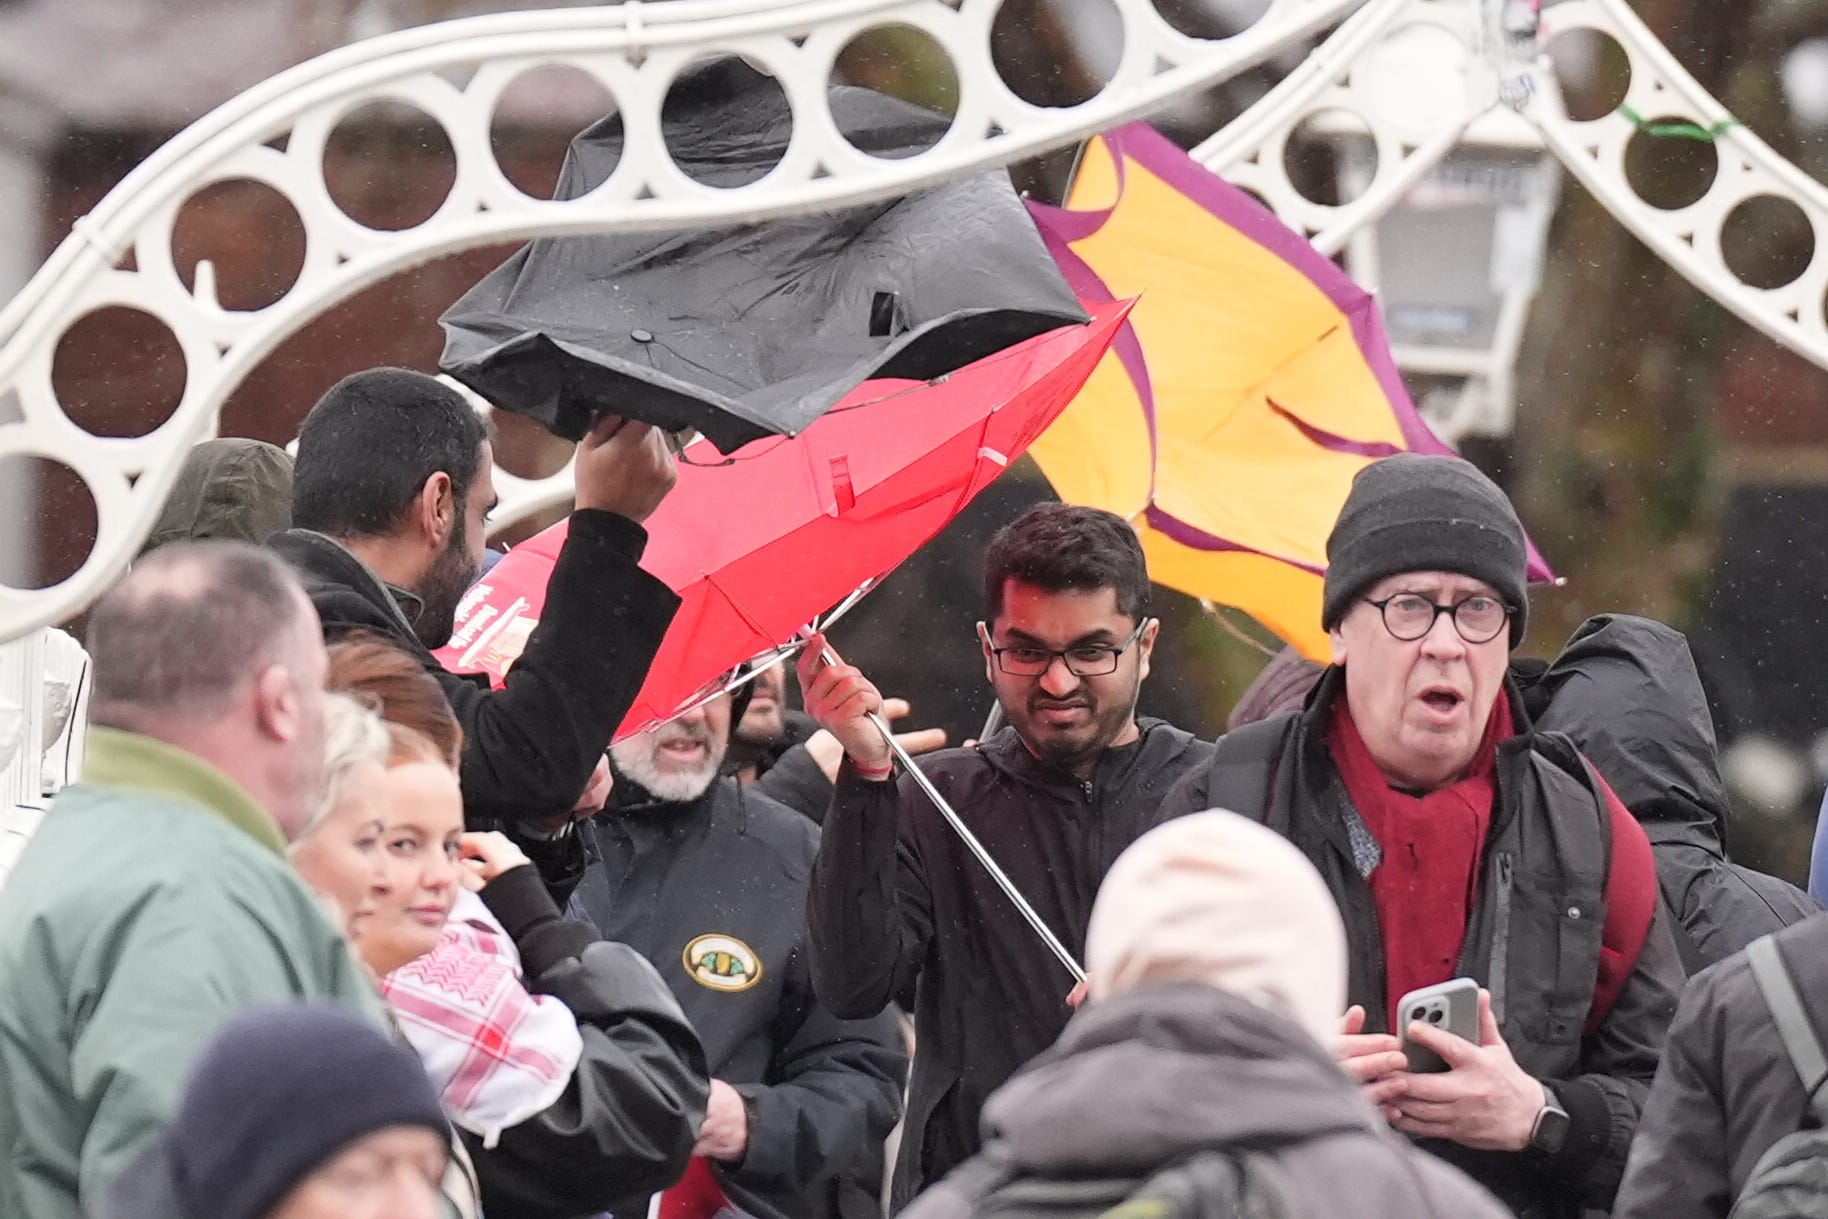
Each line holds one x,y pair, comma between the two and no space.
299,1111
1460,843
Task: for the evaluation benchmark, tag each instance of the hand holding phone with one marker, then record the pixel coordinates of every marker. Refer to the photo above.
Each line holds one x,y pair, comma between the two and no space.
1451,1006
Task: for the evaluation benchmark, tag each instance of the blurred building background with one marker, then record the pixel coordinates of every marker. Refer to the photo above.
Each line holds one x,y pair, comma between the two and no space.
1669,460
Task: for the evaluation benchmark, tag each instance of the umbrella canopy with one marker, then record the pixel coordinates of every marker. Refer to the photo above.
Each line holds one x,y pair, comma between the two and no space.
755,330
1250,385
759,544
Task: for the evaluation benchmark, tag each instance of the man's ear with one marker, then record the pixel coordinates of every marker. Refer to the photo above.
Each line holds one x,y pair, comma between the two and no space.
990,660
278,710
1337,640
436,509
1146,642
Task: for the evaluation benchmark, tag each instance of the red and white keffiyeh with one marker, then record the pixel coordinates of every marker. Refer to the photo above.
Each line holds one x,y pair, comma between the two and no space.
497,1054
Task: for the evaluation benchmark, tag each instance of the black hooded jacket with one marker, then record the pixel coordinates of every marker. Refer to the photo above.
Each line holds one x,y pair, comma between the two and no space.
665,878
897,900
1627,690
1151,1077
528,748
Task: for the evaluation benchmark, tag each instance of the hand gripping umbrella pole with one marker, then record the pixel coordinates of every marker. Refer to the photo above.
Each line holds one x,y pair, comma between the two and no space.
970,840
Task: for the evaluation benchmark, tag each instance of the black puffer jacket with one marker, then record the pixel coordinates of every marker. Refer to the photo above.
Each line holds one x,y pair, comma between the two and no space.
630,1114
727,874
898,900
1148,1078
1726,1090
1533,934
1627,690
528,748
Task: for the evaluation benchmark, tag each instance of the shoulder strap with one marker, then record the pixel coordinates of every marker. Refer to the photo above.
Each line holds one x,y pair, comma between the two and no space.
1779,991
1243,768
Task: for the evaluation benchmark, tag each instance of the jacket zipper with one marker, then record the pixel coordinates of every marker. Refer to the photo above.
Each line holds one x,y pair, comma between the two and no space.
1501,935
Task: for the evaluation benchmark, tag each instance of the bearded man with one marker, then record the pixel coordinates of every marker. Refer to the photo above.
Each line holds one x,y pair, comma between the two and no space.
1055,797
392,492
707,880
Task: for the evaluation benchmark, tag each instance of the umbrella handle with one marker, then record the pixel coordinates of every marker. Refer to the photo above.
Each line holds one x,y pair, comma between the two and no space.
971,842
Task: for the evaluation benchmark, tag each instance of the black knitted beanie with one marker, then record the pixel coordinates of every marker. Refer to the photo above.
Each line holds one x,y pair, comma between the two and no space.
281,1090
1425,512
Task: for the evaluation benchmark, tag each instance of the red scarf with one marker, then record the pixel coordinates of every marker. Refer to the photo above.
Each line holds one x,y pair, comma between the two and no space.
1432,847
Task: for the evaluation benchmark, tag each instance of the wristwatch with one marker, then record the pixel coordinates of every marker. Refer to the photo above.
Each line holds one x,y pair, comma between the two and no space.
1551,1128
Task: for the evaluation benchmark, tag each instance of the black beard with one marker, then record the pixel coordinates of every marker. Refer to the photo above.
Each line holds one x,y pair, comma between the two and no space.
442,589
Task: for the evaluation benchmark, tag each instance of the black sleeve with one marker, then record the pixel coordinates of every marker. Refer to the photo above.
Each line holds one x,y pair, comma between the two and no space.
1620,1059
1679,1166
529,748
796,781
869,912
628,1119
832,1094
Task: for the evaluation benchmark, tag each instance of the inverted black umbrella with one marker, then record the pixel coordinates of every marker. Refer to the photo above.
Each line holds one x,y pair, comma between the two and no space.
759,329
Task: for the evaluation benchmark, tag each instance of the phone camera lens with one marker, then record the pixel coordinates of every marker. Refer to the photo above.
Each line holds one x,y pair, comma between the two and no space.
1434,1017
1418,1013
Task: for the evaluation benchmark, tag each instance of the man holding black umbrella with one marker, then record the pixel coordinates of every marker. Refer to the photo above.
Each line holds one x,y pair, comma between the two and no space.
393,487
896,896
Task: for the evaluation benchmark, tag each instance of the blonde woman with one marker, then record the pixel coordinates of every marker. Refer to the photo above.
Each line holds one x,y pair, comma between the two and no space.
338,853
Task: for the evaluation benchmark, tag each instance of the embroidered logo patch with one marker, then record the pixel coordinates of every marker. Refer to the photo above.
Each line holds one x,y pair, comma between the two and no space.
722,962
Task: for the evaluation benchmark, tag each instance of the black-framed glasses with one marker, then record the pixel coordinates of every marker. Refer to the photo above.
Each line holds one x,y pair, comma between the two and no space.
1409,616
1086,660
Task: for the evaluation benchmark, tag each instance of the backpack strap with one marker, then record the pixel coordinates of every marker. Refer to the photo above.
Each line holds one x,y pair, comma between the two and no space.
1800,1043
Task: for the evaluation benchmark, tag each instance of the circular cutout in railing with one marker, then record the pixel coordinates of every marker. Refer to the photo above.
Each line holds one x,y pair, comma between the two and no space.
536,117
1593,70
60,531
1055,54
902,61
389,166
1668,171
1767,241
726,122
118,372
1330,157
1210,21
251,236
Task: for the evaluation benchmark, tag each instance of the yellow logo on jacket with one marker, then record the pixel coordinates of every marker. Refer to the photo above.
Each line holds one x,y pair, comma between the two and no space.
722,962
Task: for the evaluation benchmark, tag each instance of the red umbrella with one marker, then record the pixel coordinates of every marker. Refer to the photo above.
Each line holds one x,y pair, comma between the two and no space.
761,543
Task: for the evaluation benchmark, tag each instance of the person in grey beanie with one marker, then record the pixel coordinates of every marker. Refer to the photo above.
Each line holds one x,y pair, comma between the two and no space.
298,1111
1458,841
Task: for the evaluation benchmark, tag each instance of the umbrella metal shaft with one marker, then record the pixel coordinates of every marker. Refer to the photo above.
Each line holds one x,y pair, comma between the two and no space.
977,848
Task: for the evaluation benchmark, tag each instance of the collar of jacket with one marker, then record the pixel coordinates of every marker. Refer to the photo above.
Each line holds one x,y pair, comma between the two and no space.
330,559
1006,752
135,763
642,817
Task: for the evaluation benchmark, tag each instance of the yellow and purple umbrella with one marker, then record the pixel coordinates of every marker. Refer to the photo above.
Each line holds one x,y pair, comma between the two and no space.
1252,381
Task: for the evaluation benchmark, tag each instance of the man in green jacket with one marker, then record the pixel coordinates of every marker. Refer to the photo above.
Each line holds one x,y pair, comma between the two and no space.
155,902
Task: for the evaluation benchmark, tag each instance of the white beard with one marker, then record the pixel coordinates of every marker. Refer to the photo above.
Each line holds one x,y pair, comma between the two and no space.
635,756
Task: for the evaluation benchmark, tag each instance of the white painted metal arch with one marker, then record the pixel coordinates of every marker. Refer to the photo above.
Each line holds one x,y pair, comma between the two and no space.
455,73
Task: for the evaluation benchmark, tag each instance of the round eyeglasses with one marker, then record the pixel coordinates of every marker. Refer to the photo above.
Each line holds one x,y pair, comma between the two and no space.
1409,616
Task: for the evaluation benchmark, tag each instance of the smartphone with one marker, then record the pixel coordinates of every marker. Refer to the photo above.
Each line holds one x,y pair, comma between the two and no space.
1453,1006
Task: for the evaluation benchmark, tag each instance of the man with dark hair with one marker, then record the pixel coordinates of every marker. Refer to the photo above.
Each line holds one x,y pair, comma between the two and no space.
1460,840
392,492
897,899
155,902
